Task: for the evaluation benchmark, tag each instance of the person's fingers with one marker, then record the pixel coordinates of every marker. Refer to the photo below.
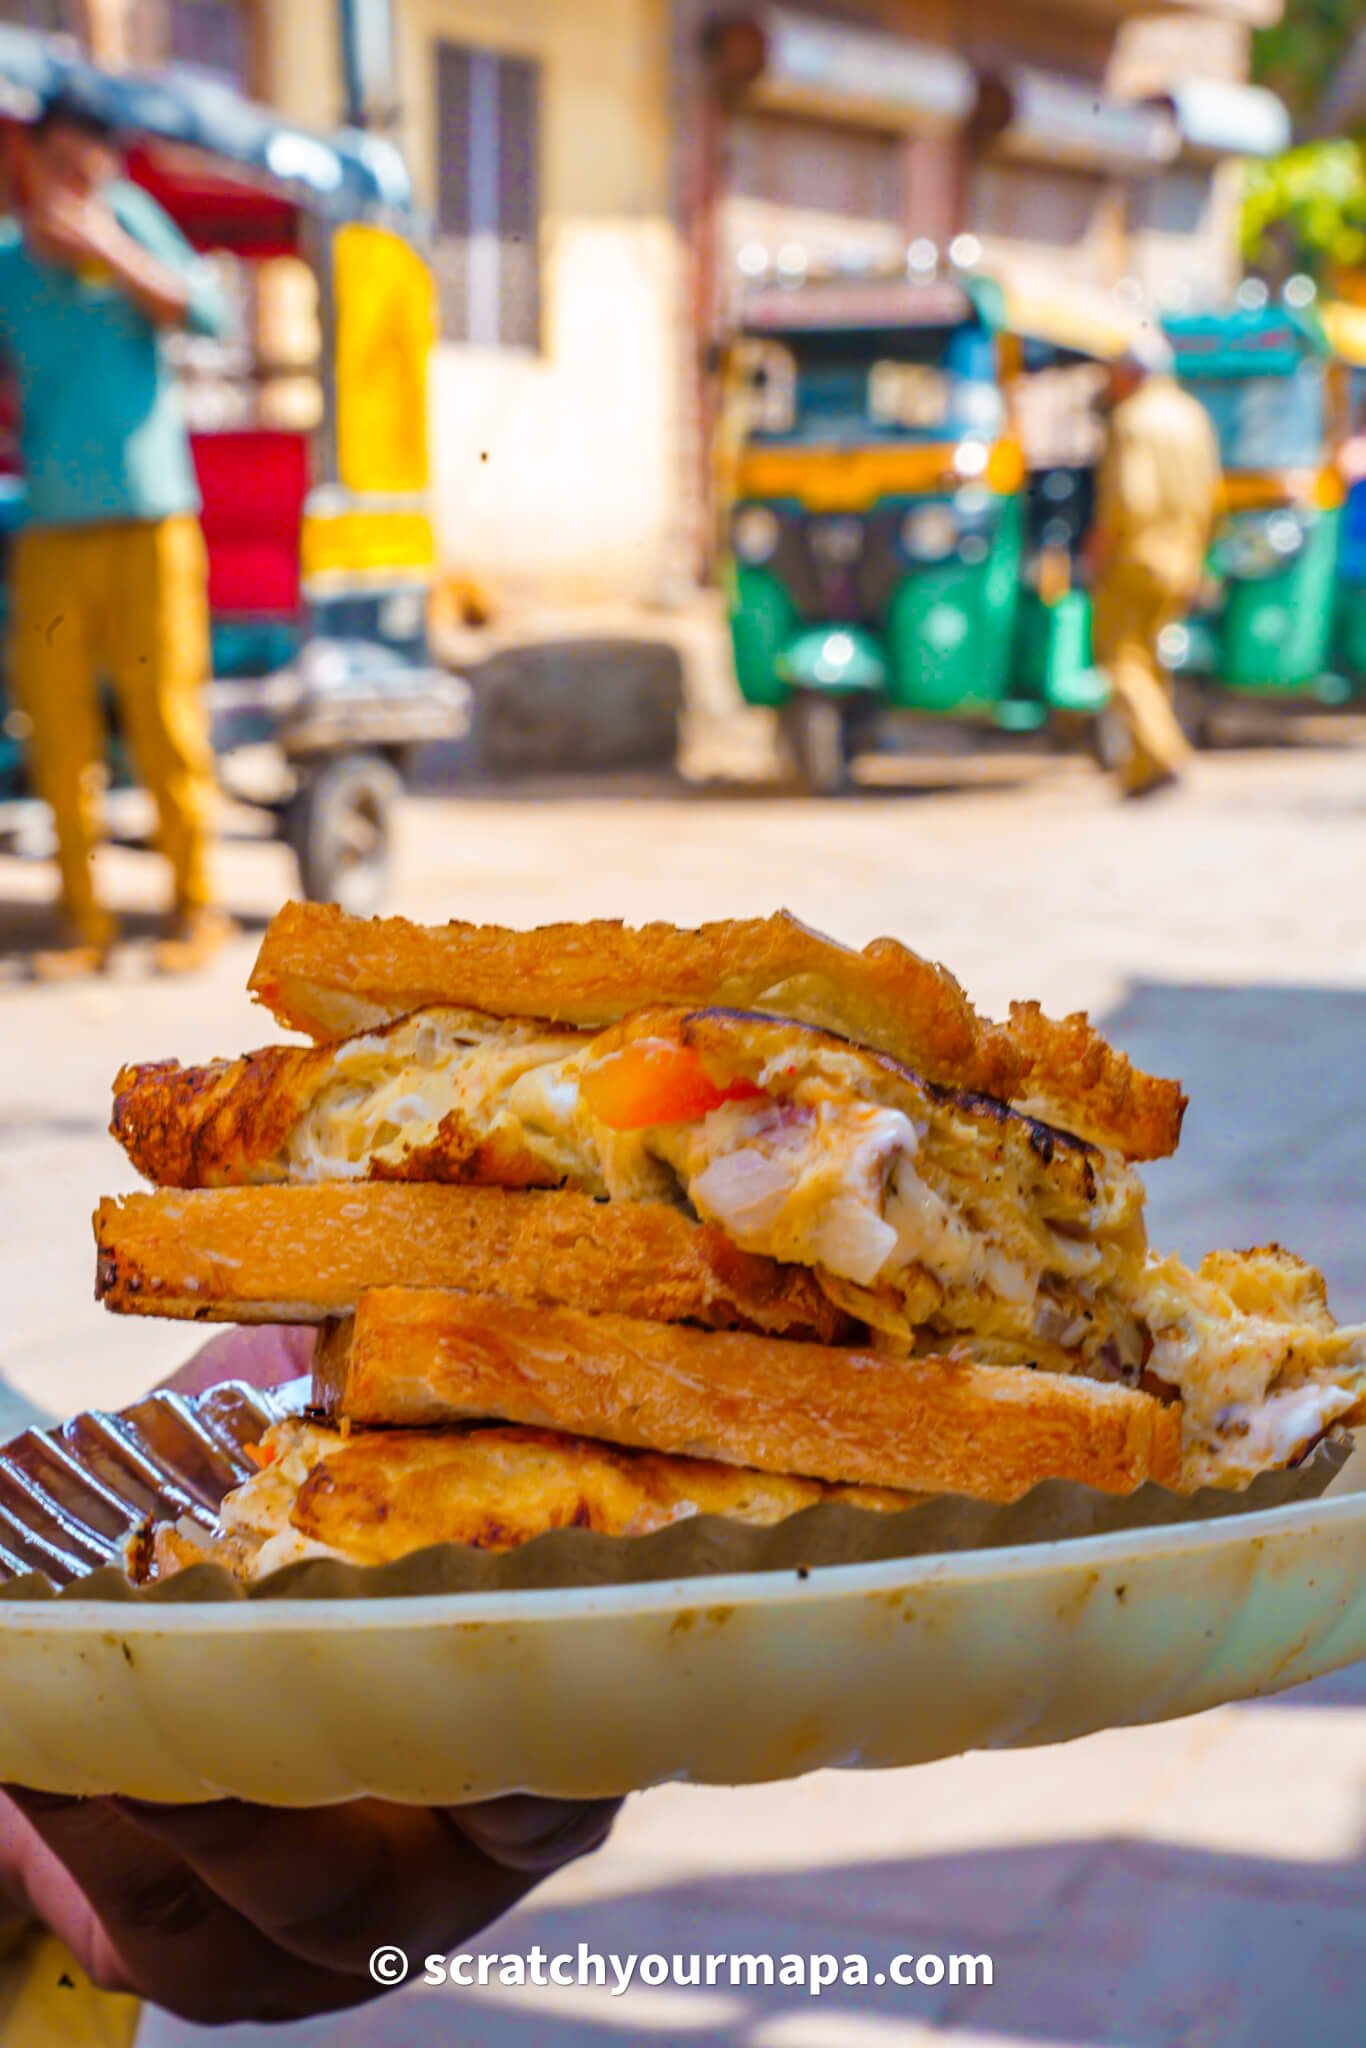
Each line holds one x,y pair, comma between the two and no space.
536,1835
46,1889
264,1355
333,1884
139,1919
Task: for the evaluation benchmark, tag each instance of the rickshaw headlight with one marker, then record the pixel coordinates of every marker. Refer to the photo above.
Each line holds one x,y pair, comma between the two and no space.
1286,534
929,533
754,533
1261,545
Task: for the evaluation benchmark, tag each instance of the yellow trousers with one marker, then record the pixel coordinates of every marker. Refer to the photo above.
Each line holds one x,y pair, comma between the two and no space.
127,602
47,2001
1129,610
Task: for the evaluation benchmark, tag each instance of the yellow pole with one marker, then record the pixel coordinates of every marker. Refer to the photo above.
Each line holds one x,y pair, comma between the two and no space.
108,29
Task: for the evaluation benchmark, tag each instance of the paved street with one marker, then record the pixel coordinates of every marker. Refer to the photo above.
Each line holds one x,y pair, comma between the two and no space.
1200,1884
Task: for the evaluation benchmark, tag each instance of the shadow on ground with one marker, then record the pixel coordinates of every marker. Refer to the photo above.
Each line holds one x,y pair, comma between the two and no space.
1108,1943
1272,1147
444,773
27,929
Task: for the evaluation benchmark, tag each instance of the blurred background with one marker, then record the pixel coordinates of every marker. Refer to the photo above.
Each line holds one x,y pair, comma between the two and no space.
651,469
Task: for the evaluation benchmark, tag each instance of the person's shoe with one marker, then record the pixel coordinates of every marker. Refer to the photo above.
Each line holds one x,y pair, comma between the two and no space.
1156,782
81,954
195,939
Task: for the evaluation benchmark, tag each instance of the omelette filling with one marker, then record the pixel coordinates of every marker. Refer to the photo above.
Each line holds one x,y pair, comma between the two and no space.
1262,1367
373,1496
395,1093
917,1225
946,1224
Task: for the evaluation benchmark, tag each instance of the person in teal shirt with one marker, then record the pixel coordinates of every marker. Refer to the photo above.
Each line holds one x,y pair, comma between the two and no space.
109,578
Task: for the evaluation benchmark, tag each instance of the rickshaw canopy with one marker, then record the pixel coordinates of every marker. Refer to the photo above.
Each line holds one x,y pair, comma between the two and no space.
344,176
873,305
1246,341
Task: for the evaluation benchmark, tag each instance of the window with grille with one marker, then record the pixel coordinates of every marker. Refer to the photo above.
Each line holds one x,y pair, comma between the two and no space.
488,201
213,35
53,17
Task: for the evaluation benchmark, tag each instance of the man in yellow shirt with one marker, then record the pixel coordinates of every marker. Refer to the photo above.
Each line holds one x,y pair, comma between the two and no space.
1157,499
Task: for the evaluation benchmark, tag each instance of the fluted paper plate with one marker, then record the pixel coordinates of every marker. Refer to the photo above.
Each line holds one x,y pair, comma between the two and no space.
580,1692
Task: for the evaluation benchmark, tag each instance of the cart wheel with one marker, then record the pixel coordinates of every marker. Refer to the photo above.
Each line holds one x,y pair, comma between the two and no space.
1069,732
340,825
1194,707
815,742
1110,739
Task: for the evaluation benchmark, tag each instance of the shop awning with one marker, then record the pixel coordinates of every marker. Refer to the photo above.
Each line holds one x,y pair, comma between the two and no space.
802,64
1217,118
1047,118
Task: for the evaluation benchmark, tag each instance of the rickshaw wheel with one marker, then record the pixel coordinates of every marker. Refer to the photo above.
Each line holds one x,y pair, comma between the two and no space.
340,826
815,742
1195,712
1109,739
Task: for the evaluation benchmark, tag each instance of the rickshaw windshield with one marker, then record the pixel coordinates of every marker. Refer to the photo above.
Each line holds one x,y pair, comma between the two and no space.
850,387
1267,422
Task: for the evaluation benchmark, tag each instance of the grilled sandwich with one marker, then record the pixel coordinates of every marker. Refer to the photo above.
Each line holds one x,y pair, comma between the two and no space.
739,1195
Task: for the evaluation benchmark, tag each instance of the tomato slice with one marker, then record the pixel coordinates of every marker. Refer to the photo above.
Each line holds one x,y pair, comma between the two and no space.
656,1082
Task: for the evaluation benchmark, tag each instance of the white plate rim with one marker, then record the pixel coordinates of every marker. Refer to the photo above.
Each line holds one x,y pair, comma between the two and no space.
118,1619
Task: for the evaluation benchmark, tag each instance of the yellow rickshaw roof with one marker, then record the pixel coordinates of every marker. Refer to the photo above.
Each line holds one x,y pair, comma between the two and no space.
1082,319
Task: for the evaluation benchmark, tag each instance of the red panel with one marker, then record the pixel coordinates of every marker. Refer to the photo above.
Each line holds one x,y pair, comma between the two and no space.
253,485
214,211
253,579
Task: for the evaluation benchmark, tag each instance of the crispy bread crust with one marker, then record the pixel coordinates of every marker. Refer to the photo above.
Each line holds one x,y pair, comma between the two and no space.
225,1124
328,974
299,1254
920,1425
1081,1082
190,1127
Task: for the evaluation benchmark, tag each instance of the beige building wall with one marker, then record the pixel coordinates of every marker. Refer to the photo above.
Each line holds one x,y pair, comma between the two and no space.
554,467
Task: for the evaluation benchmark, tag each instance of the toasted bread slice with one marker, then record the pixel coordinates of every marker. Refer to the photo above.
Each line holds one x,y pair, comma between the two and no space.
377,1495
1075,1078
844,1416
255,1255
237,1122
329,975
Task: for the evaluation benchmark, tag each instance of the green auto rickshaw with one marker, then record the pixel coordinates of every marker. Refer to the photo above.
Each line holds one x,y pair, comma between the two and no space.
888,550
1278,627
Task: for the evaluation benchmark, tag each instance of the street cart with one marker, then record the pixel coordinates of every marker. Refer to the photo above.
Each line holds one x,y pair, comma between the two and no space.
889,551
309,436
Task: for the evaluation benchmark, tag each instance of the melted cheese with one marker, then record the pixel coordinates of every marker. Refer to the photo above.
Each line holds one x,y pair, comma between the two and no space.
902,1219
914,1226
390,1093
801,1183
1258,1385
